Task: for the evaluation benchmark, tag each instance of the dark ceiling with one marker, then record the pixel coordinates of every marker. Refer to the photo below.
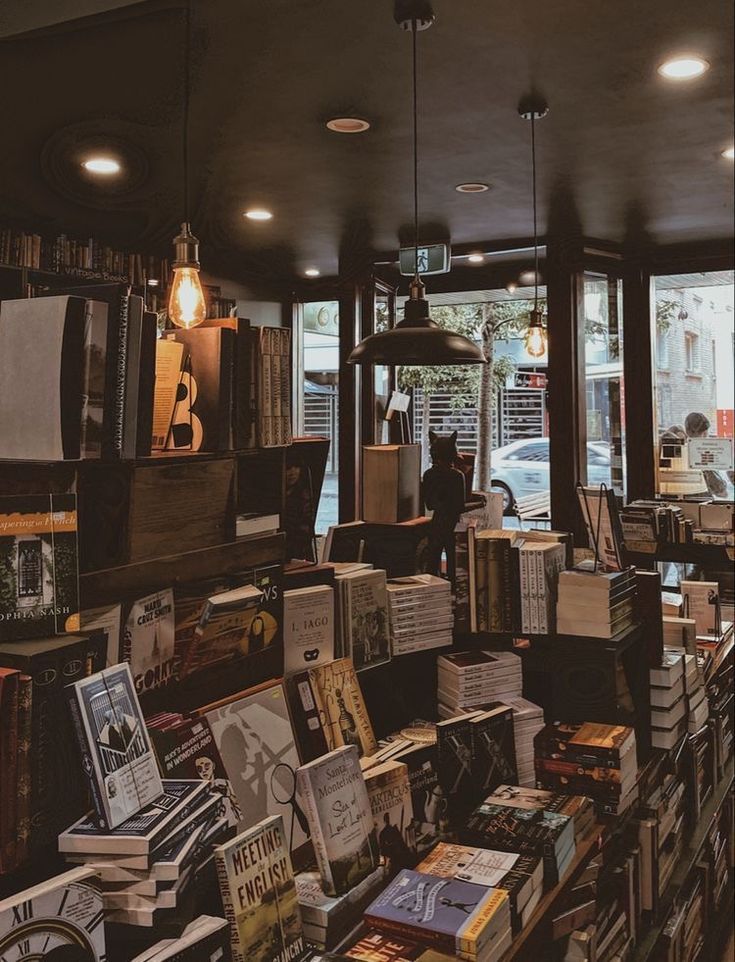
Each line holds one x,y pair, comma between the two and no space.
625,150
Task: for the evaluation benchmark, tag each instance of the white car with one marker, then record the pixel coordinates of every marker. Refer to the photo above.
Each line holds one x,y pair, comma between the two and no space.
522,468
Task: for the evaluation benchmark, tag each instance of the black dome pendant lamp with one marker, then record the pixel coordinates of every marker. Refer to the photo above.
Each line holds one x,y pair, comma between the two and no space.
416,340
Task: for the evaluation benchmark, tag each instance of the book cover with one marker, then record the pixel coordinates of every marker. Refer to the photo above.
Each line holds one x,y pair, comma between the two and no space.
335,800
521,829
342,709
187,751
259,895
169,362
42,371
308,627
148,641
477,865
39,579
702,604
142,833
364,619
59,918
389,791
492,744
454,761
428,801
226,622
9,705
376,946
253,733
108,620
457,916
116,752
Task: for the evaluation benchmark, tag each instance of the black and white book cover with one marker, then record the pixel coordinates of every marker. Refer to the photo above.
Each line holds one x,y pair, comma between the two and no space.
148,640
117,755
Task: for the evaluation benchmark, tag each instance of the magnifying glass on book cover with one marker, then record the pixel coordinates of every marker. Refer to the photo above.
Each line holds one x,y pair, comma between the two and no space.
283,788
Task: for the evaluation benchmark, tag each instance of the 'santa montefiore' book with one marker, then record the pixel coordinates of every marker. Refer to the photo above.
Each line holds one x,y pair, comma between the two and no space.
333,795
259,894
117,755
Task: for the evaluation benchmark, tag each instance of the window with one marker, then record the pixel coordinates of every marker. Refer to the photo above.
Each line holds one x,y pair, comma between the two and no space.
662,351
691,352
694,388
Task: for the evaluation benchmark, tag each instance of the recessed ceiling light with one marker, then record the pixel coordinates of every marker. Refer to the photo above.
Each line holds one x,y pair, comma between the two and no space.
311,272
258,213
101,165
729,153
511,287
472,188
683,68
527,278
348,125
476,259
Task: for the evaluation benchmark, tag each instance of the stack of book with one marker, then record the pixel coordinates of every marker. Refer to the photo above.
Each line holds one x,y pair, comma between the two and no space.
595,604
471,679
528,720
521,876
512,821
669,716
207,937
148,862
590,759
697,706
648,523
420,613
469,921
327,919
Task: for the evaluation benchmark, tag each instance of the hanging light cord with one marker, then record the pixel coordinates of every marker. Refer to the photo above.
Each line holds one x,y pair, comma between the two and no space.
414,31
185,124
535,215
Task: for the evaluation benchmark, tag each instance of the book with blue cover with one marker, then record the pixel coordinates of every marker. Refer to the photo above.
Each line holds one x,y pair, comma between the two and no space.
457,917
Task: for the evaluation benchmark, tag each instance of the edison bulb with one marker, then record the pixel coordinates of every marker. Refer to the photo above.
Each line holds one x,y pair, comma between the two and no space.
186,306
535,341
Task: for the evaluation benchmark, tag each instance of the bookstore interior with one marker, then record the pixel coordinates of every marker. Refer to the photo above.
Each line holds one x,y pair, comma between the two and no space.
367,532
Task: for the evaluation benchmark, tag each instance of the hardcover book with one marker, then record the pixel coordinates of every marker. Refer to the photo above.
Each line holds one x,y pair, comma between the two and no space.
389,791
188,750
458,917
39,580
308,623
341,707
142,833
116,751
259,895
335,800
59,918
253,733
148,641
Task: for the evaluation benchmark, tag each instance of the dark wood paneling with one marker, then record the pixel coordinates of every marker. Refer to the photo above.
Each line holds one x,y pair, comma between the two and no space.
637,369
350,380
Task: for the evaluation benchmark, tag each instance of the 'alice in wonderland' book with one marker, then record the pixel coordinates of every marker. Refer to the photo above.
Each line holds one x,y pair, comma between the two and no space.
116,752
259,894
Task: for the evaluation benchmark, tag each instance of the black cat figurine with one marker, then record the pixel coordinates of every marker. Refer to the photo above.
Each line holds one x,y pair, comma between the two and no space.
444,494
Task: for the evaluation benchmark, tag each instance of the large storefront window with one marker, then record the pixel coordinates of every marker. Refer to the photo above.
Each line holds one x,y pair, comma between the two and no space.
693,383
604,386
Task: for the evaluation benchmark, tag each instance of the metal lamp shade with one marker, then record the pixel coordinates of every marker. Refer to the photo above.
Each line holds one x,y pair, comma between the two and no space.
422,344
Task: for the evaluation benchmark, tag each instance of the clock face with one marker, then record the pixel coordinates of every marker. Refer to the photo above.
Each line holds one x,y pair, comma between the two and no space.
64,923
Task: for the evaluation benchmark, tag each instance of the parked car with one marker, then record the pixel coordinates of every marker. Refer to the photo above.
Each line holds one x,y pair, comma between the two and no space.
522,468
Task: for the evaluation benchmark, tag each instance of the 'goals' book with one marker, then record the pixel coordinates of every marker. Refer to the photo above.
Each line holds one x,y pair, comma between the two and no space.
259,894
116,751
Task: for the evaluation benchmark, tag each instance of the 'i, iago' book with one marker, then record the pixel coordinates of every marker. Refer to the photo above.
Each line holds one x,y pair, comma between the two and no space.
116,751
259,894
333,795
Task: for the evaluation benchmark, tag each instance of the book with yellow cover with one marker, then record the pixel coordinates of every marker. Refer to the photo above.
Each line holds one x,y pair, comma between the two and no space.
345,719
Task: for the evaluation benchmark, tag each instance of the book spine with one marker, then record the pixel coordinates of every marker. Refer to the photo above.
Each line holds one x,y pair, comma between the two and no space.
87,762
543,594
23,814
471,580
481,548
525,591
313,817
9,758
494,588
228,906
121,356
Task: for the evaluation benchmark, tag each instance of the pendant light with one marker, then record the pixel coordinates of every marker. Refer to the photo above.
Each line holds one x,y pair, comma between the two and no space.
416,340
533,109
186,306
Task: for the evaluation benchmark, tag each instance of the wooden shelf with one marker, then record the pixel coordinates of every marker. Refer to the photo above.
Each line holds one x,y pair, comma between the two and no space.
156,457
709,555
503,640
646,946
110,585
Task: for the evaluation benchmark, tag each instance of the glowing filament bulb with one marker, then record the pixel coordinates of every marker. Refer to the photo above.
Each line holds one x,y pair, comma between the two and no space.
535,340
186,307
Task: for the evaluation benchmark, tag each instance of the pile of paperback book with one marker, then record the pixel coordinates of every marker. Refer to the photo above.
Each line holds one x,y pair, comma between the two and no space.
204,938
421,614
470,679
